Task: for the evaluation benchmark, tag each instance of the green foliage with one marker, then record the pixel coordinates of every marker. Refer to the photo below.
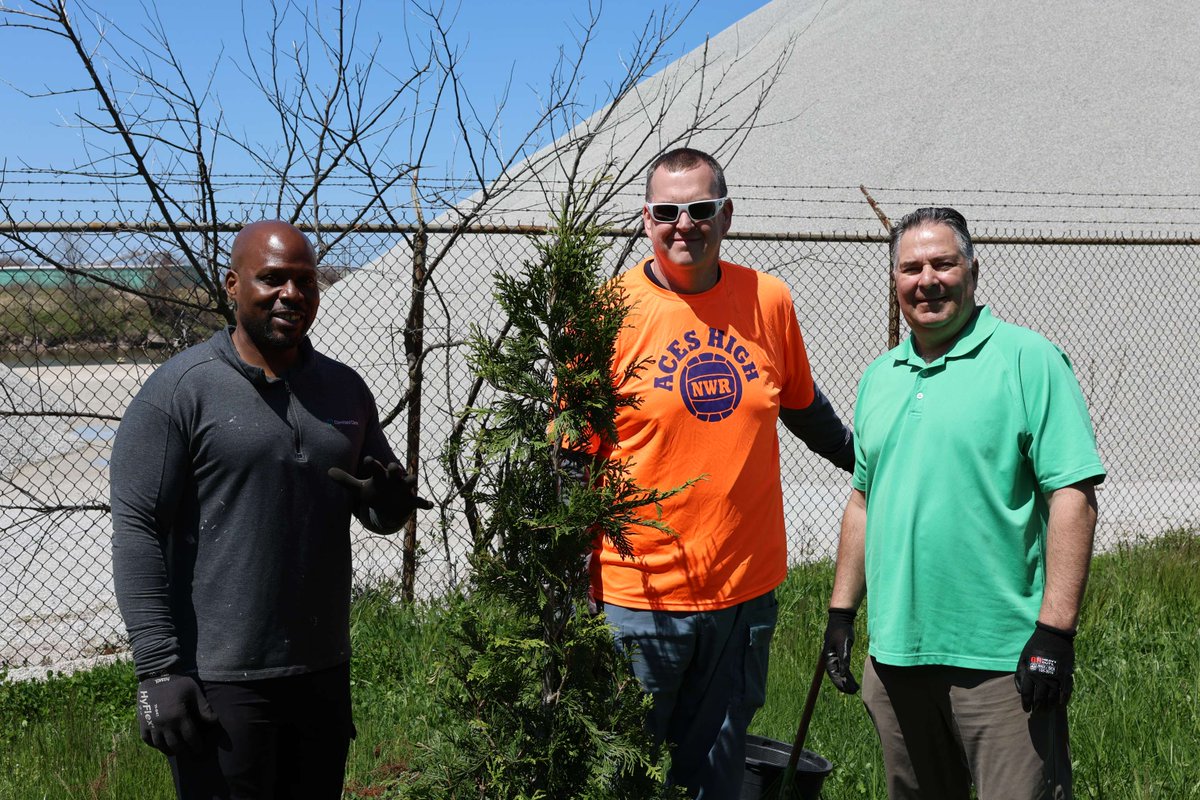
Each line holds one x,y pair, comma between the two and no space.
397,714
1135,713
587,741
107,691
84,313
70,315
841,731
551,708
64,736
1135,716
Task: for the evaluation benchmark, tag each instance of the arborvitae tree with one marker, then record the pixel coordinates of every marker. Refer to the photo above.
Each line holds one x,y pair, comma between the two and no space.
546,705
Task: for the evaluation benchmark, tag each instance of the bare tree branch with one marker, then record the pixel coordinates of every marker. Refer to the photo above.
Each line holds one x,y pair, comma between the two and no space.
340,113
71,414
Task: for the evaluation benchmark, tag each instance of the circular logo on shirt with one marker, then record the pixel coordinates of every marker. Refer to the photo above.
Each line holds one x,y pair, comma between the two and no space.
711,387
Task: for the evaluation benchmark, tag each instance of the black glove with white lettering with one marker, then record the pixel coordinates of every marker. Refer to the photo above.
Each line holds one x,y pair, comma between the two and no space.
839,640
1045,673
173,714
389,490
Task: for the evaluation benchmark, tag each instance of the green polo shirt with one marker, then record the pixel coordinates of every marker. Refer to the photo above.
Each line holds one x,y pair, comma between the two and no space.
956,458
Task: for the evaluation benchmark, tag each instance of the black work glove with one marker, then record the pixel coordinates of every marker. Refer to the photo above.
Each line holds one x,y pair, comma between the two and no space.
839,639
1045,673
173,714
574,471
390,491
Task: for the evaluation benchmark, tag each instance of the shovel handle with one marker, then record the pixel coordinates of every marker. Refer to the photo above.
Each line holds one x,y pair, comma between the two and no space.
805,718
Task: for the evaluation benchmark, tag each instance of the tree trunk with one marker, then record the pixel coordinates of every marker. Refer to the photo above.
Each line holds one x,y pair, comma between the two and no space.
414,342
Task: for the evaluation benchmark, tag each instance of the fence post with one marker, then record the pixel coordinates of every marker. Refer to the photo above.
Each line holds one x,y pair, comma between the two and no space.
893,305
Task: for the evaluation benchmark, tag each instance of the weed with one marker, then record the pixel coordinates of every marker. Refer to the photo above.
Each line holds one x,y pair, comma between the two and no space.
1135,716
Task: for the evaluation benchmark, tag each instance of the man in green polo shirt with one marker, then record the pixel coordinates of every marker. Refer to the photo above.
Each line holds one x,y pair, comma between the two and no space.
970,527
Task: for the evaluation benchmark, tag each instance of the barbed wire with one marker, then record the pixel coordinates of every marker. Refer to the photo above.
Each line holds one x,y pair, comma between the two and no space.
535,212
536,207
794,205
245,179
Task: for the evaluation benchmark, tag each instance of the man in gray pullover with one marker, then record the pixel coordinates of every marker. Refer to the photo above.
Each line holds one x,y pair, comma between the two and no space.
233,481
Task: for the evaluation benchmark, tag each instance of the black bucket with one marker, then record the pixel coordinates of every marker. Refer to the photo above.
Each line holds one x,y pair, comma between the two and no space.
766,761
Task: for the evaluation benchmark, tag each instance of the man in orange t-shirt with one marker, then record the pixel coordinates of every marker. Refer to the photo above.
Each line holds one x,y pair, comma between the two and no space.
726,360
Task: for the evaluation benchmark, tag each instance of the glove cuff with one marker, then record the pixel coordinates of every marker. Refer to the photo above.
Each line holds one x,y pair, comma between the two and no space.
1069,635
843,615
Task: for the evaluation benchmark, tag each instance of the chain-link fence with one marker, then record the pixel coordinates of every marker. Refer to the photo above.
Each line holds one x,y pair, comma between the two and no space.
89,310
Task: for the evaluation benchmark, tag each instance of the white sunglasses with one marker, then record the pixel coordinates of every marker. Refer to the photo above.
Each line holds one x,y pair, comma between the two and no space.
697,211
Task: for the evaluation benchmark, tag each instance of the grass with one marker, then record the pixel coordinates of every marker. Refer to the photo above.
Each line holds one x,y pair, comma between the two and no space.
1135,713
1135,716
75,737
1136,727
840,729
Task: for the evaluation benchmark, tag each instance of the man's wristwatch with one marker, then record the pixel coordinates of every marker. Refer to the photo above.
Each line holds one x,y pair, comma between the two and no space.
158,673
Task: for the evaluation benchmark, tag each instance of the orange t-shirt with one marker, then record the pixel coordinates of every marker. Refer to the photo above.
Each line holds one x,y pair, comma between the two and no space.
722,362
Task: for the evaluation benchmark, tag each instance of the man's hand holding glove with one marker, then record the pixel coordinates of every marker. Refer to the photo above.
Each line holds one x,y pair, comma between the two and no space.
839,640
173,713
1045,673
388,490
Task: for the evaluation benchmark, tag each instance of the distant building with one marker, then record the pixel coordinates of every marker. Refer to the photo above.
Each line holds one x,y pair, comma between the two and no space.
135,276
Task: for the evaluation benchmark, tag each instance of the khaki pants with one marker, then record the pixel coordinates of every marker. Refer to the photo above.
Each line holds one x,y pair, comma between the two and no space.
943,728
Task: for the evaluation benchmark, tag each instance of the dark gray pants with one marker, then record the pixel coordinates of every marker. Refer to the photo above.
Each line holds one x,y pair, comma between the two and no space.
943,728
275,739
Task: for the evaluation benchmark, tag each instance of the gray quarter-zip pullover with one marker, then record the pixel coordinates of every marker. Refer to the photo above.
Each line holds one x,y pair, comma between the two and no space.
231,546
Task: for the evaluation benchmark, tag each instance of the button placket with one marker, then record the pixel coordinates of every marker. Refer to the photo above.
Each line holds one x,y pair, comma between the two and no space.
916,403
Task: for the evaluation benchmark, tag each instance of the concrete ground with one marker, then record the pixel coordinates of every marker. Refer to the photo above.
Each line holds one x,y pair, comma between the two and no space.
57,609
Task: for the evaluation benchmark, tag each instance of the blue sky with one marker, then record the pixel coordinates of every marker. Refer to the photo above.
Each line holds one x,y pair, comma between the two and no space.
499,39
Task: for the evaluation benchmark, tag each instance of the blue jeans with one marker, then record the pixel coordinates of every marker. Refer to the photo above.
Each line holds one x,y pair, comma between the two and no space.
707,673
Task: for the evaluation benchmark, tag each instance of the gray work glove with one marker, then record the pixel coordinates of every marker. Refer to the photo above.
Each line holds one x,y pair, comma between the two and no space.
173,714
839,640
1045,673
389,490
